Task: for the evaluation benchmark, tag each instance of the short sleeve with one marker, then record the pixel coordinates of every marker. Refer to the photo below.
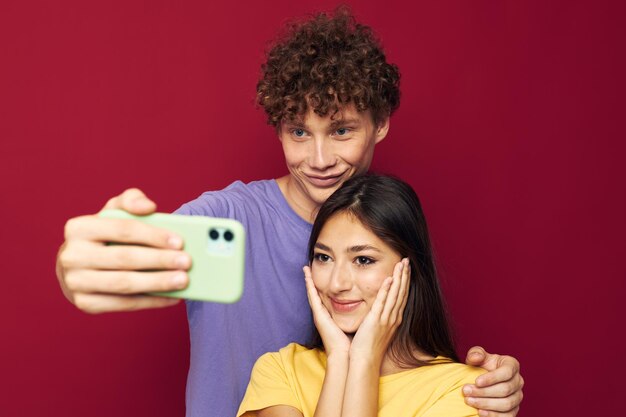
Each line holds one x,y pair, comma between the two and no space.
269,386
222,203
209,204
452,403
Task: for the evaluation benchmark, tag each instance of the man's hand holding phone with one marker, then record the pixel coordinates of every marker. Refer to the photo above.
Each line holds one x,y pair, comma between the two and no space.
97,277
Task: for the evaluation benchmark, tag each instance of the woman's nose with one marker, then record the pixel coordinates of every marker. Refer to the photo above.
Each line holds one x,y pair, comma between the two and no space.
341,279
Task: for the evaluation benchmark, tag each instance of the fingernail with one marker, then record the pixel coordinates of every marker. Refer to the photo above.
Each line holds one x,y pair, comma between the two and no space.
467,390
470,400
182,261
179,280
483,413
175,242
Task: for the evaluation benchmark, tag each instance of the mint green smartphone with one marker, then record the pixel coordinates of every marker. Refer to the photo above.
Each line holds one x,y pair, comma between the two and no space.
216,247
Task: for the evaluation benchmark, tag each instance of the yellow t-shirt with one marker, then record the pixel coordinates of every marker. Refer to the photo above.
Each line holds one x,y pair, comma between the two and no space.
294,376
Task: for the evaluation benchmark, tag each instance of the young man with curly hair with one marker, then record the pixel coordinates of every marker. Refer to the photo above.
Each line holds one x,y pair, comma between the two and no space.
329,92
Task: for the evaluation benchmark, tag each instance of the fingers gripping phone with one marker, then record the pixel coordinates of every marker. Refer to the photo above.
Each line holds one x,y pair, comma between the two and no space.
216,247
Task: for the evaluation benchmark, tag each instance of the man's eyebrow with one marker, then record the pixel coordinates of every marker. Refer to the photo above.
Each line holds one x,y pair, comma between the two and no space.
361,248
295,123
339,122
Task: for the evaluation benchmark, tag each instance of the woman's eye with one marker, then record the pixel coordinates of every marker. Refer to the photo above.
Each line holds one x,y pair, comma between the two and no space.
321,257
298,132
363,260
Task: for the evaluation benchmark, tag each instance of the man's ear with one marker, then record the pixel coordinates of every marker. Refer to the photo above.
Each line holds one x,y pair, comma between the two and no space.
381,129
278,130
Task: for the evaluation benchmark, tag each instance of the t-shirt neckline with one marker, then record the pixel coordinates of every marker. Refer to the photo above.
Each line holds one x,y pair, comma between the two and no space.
286,208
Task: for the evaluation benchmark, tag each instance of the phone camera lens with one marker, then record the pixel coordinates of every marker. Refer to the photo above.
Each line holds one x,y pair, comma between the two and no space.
228,235
214,234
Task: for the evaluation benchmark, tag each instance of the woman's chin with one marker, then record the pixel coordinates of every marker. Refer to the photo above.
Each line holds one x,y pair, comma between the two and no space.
347,326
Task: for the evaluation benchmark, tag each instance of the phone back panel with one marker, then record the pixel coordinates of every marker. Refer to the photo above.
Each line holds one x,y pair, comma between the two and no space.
216,246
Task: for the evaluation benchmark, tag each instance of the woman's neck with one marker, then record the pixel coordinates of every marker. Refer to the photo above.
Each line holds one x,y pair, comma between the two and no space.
389,366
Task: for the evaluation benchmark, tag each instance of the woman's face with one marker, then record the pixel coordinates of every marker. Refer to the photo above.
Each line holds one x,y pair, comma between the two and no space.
349,265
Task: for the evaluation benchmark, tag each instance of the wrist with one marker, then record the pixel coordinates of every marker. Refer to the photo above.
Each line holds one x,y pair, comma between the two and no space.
368,361
337,356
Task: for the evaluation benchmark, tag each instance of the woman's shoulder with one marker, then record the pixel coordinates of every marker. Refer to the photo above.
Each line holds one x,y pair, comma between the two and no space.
458,371
294,348
450,374
292,354
433,390
447,366
294,362
296,353
442,372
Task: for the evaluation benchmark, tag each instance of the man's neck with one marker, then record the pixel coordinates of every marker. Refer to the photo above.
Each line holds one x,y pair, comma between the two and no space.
302,206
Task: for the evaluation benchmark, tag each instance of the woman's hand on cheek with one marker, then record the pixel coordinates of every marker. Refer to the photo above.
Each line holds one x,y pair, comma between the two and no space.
376,332
335,340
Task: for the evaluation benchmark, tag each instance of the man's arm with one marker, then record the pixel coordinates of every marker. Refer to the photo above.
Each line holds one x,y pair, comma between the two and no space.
498,393
97,277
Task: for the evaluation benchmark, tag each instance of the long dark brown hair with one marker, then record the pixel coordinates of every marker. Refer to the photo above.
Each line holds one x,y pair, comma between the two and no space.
392,211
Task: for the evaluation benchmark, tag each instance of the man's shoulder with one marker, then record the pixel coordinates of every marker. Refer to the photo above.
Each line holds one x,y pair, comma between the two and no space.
255,190
236,196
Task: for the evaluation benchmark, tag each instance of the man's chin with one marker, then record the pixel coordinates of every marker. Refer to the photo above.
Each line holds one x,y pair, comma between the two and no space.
322,194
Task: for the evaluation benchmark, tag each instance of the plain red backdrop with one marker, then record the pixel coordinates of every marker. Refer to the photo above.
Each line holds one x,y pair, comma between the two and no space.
511,129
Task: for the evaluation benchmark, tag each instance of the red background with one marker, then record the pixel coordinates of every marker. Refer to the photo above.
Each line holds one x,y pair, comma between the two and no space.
511,129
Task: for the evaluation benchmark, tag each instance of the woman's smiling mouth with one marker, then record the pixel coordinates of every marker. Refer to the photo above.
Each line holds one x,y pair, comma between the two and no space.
345,306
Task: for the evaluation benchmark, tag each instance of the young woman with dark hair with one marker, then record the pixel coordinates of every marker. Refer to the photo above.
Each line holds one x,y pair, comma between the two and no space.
383,345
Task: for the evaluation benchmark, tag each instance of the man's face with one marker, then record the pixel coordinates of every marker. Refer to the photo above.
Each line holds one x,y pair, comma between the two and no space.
323,152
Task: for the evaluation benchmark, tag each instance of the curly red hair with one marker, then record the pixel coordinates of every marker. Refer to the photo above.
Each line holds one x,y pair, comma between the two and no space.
325,63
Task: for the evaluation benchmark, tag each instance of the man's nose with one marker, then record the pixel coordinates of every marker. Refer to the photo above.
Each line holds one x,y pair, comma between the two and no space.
322,156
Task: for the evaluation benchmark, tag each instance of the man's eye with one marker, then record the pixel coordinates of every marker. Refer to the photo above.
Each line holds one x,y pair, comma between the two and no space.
298,132
363,260
321,257
342,131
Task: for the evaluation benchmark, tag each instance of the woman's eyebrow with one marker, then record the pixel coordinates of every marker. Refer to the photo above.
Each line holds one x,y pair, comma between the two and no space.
361,248
321,246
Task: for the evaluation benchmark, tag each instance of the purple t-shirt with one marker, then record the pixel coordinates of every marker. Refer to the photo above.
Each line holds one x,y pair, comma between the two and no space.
227,339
